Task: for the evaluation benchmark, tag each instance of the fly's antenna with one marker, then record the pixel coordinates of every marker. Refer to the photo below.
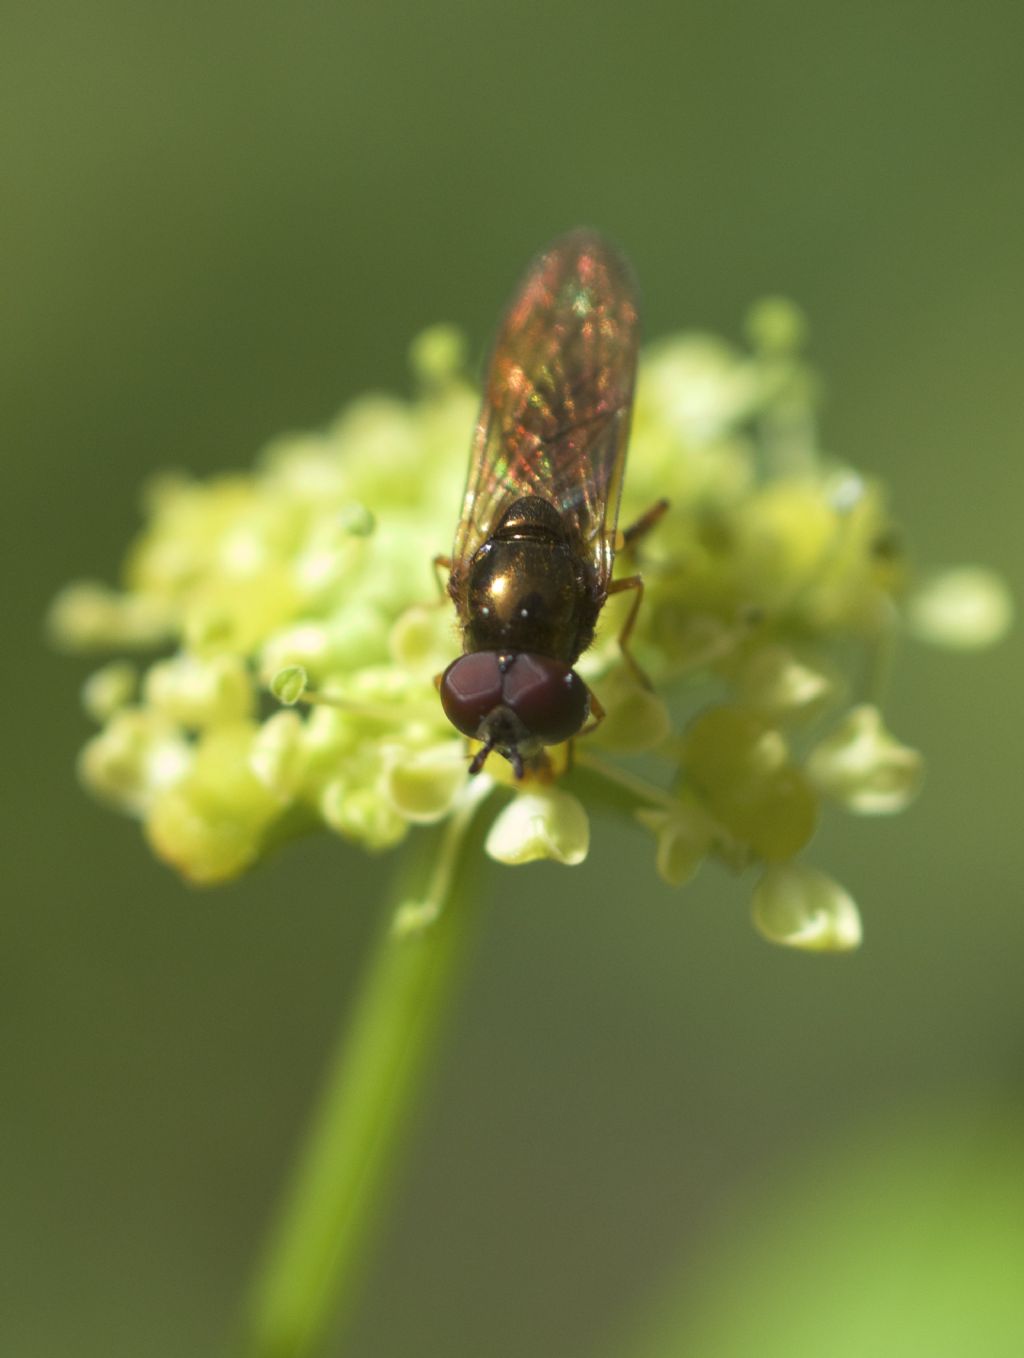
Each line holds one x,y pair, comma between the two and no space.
480,758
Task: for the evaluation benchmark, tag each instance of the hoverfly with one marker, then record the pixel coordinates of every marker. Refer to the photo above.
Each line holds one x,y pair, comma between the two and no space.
535,545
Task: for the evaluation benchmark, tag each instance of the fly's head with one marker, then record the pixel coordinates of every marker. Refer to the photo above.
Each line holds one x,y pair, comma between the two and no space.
514,703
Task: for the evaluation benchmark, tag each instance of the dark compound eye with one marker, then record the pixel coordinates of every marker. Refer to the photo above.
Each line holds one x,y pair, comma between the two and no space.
547,700
547,696
471,688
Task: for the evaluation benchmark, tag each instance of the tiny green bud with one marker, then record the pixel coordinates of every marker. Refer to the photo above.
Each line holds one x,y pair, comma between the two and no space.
200,691
207,627
438,354
109,689
88,616
773,682
136,755
423,784
636,719
684,835
802,908
210,825
776,817
726,744
356,520
304,647
205,849
965,608
548,823
776,325
277,755
422,639
739,767
863,767
362,814
289,684
696,387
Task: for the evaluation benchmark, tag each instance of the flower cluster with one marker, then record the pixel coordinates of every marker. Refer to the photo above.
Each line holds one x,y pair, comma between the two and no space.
297,629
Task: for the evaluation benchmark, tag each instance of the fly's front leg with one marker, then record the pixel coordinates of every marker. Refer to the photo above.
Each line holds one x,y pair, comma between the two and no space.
597,715
441,563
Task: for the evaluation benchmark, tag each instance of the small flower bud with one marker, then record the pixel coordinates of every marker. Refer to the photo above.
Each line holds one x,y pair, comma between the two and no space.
784,533
774,683
739,767
546,824
421,639
86,616
776,325
109,689
965,608
697,386
636,719
438,354
199,692
356,520
207,627
802,908
289,684
277,755
211,824
304,647
684,835
726,744
423,784
135,756
362,814
863,767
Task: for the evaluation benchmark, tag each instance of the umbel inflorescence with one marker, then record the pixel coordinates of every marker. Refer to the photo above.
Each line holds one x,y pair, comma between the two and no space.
292,629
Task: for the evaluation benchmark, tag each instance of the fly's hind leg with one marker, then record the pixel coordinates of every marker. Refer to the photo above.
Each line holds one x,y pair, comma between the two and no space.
632,535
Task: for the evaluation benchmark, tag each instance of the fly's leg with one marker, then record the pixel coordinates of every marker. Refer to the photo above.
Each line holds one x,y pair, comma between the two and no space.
597,715
635,583
442,563
632,535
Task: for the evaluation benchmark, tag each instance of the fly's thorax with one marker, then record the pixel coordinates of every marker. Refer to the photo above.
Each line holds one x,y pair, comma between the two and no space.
527,589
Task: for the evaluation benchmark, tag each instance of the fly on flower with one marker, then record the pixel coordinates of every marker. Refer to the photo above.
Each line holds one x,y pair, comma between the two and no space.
535,545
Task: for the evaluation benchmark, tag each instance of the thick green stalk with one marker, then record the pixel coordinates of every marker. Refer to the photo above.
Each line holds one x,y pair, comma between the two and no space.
318,1249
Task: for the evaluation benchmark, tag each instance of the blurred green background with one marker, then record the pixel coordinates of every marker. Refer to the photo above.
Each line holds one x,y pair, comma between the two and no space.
221,222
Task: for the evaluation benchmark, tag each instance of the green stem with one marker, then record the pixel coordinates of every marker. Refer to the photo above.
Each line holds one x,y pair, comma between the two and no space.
317,1251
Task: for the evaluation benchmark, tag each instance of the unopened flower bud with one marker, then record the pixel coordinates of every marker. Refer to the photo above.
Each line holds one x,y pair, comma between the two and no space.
861,766
544,824
802,908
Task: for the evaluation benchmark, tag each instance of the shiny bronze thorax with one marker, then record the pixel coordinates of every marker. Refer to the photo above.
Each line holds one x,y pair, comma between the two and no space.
529,588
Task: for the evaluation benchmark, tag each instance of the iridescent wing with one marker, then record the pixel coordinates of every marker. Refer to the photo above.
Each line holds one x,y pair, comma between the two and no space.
556,408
